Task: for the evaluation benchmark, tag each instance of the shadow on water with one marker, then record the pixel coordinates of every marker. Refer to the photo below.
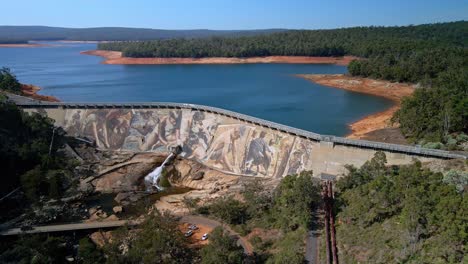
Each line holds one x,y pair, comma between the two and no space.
104,200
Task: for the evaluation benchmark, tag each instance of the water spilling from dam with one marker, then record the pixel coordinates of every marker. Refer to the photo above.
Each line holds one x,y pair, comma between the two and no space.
152,179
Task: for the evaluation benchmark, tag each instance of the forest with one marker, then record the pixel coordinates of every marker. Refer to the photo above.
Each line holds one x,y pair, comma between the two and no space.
25,33
29,158
402,214
434,56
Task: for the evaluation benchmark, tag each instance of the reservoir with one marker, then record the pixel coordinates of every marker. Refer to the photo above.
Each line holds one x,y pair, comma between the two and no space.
267,91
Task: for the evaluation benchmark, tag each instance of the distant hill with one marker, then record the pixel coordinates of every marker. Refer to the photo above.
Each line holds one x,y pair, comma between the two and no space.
23,33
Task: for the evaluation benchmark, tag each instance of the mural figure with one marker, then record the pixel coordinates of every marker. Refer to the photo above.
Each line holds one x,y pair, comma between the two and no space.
223,151
200,135
143,131
169,129
299,158
259,155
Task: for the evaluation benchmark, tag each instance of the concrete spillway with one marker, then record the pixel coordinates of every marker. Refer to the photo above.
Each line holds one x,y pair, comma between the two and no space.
223,140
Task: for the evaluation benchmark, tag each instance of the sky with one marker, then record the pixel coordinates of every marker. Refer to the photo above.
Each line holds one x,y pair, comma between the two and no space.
235,14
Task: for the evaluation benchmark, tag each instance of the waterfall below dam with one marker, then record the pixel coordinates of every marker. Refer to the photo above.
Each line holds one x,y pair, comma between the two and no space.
152,178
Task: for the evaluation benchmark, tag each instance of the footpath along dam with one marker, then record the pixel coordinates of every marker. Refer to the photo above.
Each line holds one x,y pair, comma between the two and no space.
223,140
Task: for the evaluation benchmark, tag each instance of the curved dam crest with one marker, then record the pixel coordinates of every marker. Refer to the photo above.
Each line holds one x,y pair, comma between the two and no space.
223,140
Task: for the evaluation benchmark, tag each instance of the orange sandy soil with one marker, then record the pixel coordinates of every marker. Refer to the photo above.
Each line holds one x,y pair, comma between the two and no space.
195,239
389,90
29,45
31,91
115,57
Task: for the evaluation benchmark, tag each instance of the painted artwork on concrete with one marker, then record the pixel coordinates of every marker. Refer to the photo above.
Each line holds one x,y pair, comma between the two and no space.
300,157
219,142
198,131
266,153
139,130
108,128
227,147
154,130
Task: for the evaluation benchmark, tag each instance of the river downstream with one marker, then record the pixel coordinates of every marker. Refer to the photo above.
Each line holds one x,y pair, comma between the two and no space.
268,91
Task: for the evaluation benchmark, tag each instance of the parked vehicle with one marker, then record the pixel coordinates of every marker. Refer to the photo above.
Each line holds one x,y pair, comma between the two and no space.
193,227
188,233
205,236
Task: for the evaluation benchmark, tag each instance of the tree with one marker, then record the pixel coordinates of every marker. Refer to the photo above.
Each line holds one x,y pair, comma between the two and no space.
229,210
221,249
8,81
294,200
404,214
158,241
35,249
88,253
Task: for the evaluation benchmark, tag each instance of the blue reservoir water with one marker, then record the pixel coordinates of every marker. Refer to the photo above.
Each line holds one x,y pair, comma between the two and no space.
268,91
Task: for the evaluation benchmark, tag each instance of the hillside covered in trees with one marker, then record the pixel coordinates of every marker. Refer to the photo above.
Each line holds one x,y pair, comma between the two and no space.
402,214
366,42
433,55
21,34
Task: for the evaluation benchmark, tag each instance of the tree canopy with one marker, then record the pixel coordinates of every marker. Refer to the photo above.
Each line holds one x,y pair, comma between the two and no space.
401,214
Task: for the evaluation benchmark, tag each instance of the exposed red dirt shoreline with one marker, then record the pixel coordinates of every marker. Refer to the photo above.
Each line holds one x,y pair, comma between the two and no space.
29,90
25,45
371,123
115,57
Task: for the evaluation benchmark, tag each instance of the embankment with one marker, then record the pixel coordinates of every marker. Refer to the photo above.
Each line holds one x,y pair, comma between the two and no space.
371,123
115,57
30,90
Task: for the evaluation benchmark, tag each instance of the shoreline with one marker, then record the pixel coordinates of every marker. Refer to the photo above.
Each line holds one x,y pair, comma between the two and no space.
31,91
23,45
115,57
373,122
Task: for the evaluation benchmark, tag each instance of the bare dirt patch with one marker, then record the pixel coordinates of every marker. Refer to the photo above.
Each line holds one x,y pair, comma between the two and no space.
115,57
393,91
195,239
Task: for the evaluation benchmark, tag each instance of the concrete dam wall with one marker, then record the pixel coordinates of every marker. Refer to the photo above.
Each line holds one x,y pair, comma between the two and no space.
223,140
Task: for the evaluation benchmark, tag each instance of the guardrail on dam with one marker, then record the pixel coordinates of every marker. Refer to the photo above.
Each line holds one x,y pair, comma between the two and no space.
224,140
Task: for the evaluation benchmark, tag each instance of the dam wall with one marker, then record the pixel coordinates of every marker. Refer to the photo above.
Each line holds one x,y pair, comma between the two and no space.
223,140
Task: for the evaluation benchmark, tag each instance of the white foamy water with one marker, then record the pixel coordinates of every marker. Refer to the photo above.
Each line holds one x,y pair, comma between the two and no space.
153,177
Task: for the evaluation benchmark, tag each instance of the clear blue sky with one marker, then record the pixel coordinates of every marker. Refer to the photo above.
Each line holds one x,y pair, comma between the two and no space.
235,14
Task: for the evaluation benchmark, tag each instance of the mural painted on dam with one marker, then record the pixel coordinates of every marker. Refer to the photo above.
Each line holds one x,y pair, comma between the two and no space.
219,142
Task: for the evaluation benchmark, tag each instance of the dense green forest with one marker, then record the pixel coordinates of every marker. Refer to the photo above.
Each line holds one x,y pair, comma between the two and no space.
433,55
25,33
360,41
29,158
402,214
13,41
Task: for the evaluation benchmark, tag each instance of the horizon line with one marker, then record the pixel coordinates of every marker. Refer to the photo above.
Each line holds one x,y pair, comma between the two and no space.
255,29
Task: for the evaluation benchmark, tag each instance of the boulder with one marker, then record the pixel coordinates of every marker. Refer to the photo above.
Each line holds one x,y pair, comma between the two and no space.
117,209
